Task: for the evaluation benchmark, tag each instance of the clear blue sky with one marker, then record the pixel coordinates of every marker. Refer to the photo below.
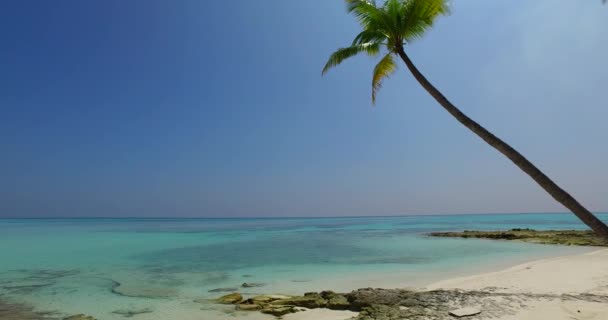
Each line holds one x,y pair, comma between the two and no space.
218,108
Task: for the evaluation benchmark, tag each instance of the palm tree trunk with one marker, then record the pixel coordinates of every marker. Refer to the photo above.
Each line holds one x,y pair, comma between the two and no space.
519,160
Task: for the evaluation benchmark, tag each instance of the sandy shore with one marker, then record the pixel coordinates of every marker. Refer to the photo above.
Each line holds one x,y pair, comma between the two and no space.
566,288
572,287
544,286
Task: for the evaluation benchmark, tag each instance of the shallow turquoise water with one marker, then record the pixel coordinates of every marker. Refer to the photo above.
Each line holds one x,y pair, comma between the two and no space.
71,265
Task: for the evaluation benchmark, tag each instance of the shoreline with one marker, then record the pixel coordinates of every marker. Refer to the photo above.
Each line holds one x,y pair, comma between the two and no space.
561,267
566,287
527,289
557,288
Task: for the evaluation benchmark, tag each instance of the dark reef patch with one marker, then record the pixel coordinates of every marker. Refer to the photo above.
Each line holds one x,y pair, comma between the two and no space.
561,237
18,311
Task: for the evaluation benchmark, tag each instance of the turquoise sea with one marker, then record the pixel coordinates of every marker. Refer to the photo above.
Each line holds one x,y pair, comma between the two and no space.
99,266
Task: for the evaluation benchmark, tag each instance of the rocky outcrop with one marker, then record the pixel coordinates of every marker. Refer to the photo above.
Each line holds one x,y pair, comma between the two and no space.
380,312
232,298
311,300
279,310
399,304
266,299
335,301
280,305
563,237
249,306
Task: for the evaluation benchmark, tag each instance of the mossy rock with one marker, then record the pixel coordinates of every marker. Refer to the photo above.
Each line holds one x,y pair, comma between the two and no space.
279,310
232,298
335,301
249,307
311,300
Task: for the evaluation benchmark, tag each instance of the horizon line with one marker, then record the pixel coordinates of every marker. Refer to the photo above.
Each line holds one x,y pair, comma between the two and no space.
287,217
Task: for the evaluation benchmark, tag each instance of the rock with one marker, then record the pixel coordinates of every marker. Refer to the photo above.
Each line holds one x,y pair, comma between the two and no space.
247,276
252,285
260,299
248,307
380,312
335,301
277,296
279,311
367,297
79,317
223,290
130,313
564,237
230,298
311,300
267,298
373,304
465,312
409,302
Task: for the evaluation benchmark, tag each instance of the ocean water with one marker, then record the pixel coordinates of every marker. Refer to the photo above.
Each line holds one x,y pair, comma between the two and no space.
100,266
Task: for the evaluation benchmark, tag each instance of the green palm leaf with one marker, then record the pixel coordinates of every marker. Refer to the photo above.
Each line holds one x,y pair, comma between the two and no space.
369,36
390,25
371,48
419,16
370,17
383,69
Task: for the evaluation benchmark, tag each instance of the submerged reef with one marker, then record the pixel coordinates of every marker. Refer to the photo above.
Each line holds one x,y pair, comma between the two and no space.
27,281
17,311
561,237
138,290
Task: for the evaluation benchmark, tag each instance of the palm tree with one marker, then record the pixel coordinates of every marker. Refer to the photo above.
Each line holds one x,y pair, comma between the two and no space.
397,23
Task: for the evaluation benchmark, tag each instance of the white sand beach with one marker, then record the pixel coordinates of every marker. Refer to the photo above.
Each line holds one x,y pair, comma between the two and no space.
537,290
583,274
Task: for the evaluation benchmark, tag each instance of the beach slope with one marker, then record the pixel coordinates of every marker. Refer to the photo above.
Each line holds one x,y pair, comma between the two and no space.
571,287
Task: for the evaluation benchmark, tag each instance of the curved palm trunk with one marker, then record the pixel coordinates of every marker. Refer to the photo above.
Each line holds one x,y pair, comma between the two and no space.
519,160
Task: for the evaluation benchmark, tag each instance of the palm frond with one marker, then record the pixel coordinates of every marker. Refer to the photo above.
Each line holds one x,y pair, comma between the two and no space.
383,70
367,13
419,16
371,48
355,5
369,36
392,24
392,10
